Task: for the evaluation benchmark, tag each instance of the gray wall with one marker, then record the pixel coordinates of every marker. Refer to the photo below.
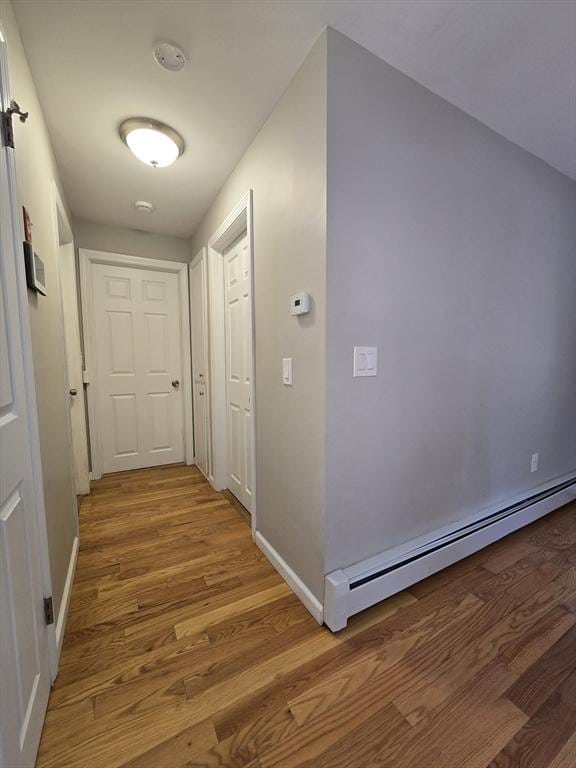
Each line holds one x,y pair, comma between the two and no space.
134,242
37,170
286,168
454,252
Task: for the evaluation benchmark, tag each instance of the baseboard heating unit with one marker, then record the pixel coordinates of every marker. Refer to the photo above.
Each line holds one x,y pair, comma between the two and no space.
351,590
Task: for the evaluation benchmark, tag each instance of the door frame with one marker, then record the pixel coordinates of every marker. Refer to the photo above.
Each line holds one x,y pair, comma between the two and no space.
29,381
63,236
239,220
62,229
88,258
205,332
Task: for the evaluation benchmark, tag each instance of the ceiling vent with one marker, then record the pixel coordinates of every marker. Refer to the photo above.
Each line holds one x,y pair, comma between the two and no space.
170,56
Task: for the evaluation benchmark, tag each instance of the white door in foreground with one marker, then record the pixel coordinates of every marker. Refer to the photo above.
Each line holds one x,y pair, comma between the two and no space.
239,369
24,662
139,366
199,360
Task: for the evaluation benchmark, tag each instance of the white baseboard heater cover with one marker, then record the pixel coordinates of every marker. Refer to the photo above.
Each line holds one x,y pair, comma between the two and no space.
351,590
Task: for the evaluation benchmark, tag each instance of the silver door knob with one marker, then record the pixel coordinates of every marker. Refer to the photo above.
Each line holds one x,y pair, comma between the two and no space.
175,383
73,392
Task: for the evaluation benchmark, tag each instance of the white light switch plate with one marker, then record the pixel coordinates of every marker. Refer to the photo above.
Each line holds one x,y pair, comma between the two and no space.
365,361
287,371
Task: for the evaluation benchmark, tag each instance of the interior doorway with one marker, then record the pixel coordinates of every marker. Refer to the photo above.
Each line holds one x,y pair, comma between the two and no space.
137,344
232,411
69,299
238,330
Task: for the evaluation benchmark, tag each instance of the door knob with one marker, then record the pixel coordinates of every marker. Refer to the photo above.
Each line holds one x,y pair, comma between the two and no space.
175,383
73,392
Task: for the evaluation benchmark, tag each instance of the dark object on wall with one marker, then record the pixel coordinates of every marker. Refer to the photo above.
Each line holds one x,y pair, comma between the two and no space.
35,273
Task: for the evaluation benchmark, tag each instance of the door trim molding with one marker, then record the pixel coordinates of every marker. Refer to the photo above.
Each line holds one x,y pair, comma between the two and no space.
239,219
29,381
87,259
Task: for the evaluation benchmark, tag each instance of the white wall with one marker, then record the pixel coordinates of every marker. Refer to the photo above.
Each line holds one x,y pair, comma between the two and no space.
36,169
453,251
286,168
134,242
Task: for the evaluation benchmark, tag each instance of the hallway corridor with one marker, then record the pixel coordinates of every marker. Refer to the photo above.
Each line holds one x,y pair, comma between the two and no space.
185,648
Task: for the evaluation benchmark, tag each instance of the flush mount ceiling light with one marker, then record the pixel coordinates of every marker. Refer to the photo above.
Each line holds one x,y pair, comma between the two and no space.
153,142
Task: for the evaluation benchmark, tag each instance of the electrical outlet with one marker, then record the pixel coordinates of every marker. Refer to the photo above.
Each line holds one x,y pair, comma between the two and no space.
534,462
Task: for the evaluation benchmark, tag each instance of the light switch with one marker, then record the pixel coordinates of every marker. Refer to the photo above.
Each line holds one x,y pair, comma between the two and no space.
287,371
365,361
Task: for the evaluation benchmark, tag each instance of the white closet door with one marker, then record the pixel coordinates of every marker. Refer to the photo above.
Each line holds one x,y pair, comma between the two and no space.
239,369
198,300
24,661
139,366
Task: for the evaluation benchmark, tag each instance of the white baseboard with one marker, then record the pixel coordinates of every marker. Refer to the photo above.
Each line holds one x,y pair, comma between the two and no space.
65,602
294,582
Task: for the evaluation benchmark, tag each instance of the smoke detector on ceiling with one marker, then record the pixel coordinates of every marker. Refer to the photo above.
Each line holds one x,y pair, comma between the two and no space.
170,56
144,206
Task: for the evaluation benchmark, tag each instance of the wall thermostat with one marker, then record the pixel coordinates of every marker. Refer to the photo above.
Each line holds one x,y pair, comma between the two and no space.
300,303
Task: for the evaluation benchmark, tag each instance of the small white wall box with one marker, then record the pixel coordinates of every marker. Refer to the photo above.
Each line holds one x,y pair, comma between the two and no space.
35,272
300,303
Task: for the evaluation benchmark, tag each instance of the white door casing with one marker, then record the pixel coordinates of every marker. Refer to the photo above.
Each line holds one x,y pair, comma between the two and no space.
200,386
24,637
238,222
237,288
89,260
68,287
70,338
139,367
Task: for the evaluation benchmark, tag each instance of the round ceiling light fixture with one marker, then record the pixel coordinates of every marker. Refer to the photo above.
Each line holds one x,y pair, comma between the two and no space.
153,142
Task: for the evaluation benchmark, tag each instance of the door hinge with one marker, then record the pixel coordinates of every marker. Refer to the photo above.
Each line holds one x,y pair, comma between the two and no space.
7,129
49,610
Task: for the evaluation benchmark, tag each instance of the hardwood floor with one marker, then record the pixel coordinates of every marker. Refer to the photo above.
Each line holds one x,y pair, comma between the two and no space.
185,648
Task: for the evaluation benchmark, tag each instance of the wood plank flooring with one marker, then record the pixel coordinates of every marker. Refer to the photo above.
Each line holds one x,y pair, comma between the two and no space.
185,648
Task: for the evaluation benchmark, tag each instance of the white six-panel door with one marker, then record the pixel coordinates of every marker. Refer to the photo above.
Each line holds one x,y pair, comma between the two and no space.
237,288
139,366
200,389
24,659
